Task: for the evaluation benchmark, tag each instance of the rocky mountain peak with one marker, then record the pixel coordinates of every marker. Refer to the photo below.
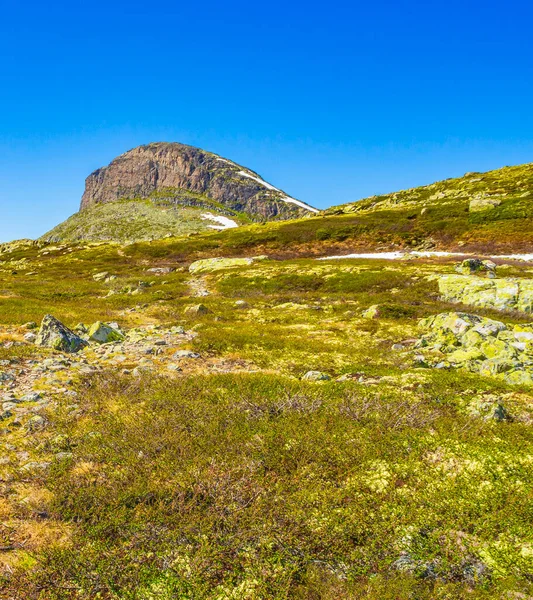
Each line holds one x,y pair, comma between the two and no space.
174,169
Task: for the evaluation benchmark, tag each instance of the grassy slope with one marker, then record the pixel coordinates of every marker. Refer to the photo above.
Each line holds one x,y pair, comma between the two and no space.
257,485
446,218
148,219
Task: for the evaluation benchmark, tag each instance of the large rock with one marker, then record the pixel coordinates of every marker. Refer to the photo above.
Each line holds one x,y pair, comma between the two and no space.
502,294
483,203
208,265
53,334
171,169
470,266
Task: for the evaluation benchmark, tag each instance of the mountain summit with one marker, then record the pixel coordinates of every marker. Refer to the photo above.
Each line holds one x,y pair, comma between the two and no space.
176,167
164,189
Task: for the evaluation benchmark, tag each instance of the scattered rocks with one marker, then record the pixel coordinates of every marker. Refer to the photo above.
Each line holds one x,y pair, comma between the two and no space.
489,407
480,345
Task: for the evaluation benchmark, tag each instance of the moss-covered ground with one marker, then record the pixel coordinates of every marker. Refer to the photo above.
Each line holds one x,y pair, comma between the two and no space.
235,479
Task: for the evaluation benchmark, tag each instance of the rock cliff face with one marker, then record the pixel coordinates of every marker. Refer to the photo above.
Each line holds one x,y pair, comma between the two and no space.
170,169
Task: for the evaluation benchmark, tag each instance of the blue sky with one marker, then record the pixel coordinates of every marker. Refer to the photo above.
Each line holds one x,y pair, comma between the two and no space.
331,102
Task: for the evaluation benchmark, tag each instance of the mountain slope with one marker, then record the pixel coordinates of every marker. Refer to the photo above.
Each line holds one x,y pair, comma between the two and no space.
510,188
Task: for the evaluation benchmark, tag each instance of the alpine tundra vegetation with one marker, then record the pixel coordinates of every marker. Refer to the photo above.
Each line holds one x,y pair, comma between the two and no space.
216,414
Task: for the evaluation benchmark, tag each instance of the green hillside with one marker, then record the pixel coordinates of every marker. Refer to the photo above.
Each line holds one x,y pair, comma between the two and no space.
143,219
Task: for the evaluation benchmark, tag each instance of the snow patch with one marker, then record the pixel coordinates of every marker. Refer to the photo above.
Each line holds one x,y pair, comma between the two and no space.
526,257
275,189
382,255
264,183
302,204
225,223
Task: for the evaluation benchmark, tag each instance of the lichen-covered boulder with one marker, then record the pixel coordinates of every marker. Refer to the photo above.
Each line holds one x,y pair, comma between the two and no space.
481,203
196,310
104,333
470,266
502,294
53,334
209,265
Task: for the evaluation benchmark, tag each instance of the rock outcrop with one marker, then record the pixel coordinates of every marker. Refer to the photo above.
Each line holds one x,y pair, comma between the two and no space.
480,345
502,294
174,171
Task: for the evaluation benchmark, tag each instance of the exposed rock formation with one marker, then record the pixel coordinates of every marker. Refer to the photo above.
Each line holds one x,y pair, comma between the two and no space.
502,294
169,169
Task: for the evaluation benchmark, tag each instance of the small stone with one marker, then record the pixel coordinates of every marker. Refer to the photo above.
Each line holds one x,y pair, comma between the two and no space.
60,442
196,309
161,270
35,467
373,312
398,347
30,337
101,276
62,456
36,423
186,354
316,376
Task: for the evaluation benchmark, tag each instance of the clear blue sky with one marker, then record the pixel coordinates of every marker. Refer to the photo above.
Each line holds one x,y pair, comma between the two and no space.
330,101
